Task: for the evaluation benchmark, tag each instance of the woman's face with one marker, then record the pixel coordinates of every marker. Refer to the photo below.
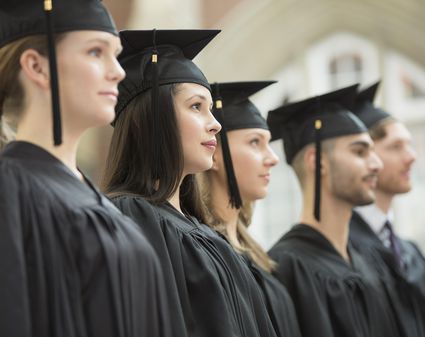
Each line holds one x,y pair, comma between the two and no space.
197,125
89,74
252,159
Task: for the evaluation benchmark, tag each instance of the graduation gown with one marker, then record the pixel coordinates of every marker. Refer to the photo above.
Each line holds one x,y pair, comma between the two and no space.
405,287
71,264
213,288
279,304
331,297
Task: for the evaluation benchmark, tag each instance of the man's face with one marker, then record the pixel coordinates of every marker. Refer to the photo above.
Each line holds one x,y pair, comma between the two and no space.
398,156
353,169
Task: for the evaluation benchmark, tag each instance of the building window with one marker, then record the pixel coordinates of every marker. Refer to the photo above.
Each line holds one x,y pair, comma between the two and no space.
345,69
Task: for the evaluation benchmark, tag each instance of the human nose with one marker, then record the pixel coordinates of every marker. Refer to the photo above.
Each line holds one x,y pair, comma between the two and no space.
213,125
116,72
271,157
375,163
411,155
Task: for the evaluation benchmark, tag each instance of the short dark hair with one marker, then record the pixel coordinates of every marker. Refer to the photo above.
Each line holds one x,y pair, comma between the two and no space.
130,167
298,161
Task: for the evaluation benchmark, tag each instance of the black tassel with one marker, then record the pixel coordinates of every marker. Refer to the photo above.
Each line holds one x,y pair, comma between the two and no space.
155,118
54,82
235,198
317,185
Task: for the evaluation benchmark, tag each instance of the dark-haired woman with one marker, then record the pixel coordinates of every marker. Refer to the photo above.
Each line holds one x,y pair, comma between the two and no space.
164,134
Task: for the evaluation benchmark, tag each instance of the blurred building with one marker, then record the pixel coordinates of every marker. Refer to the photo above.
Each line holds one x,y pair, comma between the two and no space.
310,46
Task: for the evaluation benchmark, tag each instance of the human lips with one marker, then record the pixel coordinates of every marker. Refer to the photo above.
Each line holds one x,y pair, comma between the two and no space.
265,176
406,174
211,144
110,94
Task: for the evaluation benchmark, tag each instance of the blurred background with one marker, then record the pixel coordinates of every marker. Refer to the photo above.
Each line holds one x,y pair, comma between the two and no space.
310,47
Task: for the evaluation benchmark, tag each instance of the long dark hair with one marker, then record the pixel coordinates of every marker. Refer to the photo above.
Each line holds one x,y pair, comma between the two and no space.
130,169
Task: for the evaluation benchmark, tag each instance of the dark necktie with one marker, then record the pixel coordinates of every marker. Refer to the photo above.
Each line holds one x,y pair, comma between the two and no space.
394,244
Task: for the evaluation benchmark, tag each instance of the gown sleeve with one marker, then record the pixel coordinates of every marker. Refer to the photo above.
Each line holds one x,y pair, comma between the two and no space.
308,301
279,303
15,317
148,220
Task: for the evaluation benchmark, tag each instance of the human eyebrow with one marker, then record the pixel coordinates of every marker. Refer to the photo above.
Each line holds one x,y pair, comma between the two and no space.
202,97
256,134
361,143
106,43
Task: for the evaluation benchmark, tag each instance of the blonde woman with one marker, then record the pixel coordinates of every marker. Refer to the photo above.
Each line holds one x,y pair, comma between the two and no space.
239,176
71,264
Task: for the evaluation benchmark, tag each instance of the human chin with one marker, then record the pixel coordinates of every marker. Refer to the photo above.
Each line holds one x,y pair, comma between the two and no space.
367,196
261,193
405,187
200,164
103,115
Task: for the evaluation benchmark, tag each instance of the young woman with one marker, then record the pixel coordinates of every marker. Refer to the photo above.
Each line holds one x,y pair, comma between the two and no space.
240,176
164,133
71,264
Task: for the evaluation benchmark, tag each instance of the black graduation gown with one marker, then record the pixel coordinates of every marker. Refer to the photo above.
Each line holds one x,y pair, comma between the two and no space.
331,298
213,288
71,264
279,304
406,288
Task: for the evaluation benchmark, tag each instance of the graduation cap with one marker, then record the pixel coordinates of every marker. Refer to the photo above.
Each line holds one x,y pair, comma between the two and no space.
158,57
312,121
364,108
23,18
234,111
152,58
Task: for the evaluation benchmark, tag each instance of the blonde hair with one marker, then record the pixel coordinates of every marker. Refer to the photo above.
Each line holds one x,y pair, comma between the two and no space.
246,243
7,134
12,96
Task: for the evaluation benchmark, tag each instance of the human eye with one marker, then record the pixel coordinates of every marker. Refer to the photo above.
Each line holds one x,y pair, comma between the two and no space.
196,106
96,51
255,141
396,146
360,151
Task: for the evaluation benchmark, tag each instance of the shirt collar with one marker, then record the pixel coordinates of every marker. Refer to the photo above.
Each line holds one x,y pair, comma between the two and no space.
374,216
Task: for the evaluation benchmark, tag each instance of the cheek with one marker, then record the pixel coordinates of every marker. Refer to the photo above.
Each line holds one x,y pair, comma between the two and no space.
391,164
191,128
246,164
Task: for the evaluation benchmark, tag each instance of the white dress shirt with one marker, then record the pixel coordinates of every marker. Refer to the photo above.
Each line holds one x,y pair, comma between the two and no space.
376,219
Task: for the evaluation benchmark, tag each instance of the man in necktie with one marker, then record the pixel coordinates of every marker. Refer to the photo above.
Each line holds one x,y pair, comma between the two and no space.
400,262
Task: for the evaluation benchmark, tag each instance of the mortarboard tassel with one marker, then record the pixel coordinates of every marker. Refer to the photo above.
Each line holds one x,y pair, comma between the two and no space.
54,83
155,106
235,198
317,185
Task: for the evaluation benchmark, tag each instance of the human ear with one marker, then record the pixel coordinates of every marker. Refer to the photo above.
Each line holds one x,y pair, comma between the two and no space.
35,67
310,161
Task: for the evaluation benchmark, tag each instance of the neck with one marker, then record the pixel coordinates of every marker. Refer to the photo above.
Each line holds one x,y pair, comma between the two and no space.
31,130
383,201
334,220
228,214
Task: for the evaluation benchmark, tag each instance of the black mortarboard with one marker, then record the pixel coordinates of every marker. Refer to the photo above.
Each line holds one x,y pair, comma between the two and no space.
364,108
158,57
152,58
234,111
21,18
313,120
